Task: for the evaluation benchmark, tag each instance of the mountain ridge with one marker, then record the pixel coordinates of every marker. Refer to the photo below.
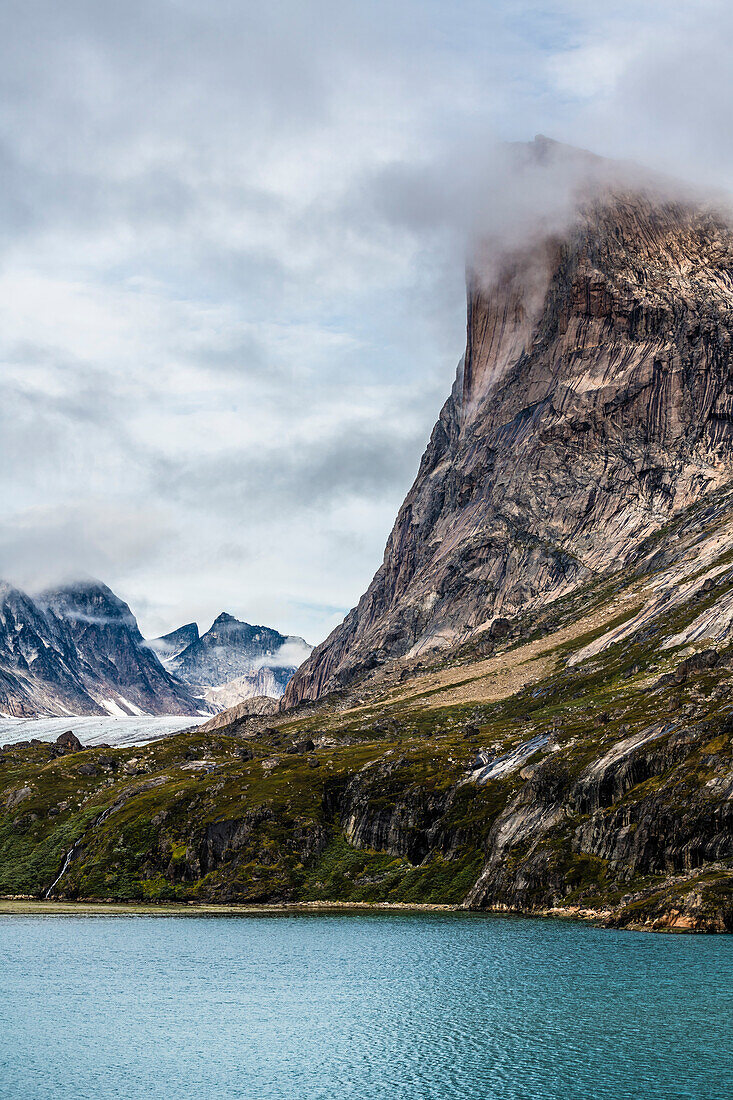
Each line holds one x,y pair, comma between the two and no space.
232,652
529,710
591,405
77,649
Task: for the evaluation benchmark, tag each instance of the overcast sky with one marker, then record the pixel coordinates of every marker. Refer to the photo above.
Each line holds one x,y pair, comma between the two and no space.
232,245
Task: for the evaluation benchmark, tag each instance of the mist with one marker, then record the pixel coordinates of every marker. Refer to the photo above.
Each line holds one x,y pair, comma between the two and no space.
233,248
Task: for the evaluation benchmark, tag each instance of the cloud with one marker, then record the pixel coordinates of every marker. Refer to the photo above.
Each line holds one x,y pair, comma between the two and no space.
232,250
290,655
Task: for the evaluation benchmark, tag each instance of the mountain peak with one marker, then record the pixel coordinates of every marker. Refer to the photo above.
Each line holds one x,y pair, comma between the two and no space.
225,617
77,649
231,649
170,645
592,404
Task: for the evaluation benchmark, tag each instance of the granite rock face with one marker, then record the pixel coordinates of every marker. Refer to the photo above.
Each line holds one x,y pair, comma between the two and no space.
594,402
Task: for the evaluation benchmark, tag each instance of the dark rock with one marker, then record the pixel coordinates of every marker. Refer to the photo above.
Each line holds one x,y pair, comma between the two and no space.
68,742
499,628
698,662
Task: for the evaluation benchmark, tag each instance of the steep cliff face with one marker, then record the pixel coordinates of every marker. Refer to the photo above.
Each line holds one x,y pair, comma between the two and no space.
593,403
584,764
78,650
170,645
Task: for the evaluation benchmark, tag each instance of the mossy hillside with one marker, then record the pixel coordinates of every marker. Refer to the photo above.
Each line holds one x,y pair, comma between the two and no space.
169,801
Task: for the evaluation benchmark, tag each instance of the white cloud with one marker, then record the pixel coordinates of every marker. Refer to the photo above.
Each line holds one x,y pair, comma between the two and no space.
232,240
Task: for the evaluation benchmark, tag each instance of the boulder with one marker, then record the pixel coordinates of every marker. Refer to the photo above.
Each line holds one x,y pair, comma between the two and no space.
68,742
499,628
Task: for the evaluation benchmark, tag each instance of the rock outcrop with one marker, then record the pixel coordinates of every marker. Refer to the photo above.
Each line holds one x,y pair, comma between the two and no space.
170,645
593,403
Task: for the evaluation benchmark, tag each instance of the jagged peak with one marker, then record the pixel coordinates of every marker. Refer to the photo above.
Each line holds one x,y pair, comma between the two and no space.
225,617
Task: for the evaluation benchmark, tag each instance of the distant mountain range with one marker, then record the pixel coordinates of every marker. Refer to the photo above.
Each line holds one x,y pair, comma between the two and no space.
78,650
233,660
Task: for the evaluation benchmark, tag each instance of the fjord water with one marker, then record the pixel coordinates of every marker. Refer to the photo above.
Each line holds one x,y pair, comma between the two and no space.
364,1006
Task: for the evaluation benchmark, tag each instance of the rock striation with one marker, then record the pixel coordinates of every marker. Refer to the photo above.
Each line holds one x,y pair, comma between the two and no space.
594,402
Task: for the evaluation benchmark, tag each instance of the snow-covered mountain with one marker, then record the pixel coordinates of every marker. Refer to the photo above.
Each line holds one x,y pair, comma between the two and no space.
233,660
77,650
170,645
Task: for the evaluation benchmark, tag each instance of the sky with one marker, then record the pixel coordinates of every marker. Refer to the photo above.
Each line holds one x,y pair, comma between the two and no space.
233,240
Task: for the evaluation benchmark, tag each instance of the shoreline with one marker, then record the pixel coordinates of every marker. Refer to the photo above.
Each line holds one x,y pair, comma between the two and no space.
671,923
91,907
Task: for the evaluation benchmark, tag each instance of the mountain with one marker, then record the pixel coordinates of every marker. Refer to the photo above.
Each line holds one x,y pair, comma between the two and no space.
593,404
248,660
77,649
170,645
269,682
39,666
530,709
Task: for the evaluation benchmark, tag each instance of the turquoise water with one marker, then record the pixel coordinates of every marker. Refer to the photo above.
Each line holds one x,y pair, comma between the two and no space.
369,1007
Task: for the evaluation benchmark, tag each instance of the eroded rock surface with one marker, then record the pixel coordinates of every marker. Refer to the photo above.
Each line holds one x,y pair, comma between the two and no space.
594,402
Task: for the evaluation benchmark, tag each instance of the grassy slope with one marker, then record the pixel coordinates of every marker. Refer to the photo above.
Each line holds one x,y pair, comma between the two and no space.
275,817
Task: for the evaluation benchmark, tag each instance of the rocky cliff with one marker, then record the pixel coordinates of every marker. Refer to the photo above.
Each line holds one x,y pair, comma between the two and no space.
593,403
533,704
235,659
78,650
579,760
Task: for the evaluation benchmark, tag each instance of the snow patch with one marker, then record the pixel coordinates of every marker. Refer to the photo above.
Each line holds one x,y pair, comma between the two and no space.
132,708
113,708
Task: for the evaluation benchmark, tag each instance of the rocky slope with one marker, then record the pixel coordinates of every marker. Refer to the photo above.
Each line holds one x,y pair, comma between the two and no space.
78,650
268,682
593,403
582,763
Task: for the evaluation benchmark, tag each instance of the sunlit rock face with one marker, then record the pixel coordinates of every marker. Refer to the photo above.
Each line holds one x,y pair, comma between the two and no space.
594,401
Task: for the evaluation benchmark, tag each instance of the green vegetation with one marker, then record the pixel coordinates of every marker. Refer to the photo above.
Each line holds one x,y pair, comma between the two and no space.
383,810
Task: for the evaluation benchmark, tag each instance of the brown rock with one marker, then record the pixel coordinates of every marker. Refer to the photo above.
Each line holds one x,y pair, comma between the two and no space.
590,407
68,742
